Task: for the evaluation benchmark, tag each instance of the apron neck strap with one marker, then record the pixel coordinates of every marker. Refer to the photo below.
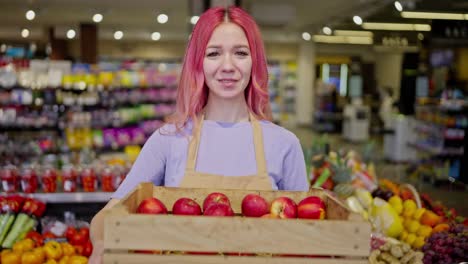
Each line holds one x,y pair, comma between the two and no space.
257,138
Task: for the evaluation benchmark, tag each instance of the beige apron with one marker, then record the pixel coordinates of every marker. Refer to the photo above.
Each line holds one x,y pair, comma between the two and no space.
193,179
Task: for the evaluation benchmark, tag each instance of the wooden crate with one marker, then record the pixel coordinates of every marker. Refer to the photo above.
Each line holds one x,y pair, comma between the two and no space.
344,235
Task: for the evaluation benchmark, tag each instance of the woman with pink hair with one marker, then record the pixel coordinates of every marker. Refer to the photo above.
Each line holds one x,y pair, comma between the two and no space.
221,134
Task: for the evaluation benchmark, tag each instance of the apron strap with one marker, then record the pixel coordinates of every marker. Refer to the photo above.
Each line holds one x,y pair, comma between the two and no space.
257,138
259,149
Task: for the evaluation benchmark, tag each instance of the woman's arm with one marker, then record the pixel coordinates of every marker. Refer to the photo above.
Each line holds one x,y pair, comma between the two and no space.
97,233
294,176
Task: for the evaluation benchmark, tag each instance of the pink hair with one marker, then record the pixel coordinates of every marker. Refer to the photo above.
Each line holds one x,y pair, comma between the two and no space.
192,92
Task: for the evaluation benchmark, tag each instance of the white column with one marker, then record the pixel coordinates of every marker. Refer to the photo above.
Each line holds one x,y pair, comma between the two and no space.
305,83
388,67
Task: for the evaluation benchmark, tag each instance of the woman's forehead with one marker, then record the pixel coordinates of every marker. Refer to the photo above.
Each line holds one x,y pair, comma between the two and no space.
228,34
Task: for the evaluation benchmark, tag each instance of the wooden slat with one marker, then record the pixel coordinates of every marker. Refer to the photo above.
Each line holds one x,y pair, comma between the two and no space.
237,234
116,258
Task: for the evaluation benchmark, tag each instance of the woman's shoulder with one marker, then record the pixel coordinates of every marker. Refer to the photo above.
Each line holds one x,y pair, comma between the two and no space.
276,132
168,131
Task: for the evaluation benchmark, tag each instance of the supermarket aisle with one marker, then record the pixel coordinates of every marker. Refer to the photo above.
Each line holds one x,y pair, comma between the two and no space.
451,197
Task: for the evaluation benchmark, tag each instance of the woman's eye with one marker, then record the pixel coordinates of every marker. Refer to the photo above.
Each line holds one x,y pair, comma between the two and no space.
242,53
212,54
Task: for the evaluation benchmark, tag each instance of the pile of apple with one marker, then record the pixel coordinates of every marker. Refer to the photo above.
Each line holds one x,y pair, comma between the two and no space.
253,205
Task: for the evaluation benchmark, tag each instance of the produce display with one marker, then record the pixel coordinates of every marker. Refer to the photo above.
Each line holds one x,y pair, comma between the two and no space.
21,244
417,230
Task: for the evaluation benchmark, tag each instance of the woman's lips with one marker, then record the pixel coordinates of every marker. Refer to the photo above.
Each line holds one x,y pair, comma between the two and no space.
228,83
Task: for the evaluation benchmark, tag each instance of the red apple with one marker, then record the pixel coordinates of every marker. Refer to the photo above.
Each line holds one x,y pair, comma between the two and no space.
254,205
151,206
215,198
269,216
219,210
283,207
311,207
186,206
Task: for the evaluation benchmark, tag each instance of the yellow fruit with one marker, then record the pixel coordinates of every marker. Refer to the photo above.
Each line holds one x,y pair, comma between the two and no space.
424,231
409,205
406,223
385,218
418,213
410,239
397,204
413,226
418,242
404,235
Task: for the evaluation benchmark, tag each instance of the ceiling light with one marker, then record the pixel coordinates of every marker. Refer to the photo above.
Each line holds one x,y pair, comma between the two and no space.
420,36
194,20
356,33
118,34
155,36
395,26
306,36
398,6
97,18
327,30
431,15
30,15
25,33
344,39
162,18
71,34
357,20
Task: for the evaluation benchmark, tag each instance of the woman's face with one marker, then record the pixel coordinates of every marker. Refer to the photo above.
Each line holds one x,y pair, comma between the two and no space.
227,64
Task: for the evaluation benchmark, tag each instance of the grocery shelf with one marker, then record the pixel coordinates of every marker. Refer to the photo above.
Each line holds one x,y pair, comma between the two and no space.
77,197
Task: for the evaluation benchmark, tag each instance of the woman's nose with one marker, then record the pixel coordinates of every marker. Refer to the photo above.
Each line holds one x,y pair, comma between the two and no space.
227,63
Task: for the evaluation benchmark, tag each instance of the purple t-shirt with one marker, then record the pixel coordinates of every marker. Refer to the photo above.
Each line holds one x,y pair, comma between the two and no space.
225,149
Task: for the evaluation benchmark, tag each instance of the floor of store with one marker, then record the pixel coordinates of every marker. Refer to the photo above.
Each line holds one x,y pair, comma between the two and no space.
453,196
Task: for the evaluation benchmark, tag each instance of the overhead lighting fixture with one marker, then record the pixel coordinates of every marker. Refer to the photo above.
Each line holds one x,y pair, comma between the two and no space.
71,34
118,35
3,48
432,15
25,33
420,36
155,36
162,19
306,36
327,30
355,33
194,20
396,26
398,6
97,18
30,15
344,39
357,20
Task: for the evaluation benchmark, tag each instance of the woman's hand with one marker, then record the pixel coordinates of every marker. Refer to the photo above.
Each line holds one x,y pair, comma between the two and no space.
98,252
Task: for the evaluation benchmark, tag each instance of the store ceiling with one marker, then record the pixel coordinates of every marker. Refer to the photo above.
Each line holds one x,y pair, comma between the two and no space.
279,20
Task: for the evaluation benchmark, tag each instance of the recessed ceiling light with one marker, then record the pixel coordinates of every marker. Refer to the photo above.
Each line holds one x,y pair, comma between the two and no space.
357,20
420,36
25,33
97,18
398,6
30,15
118,34
327,30
71,34
306,36
162,18
194,20
155,36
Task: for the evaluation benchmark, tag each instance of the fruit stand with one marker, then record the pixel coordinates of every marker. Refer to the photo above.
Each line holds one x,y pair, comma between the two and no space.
343,237
407,227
